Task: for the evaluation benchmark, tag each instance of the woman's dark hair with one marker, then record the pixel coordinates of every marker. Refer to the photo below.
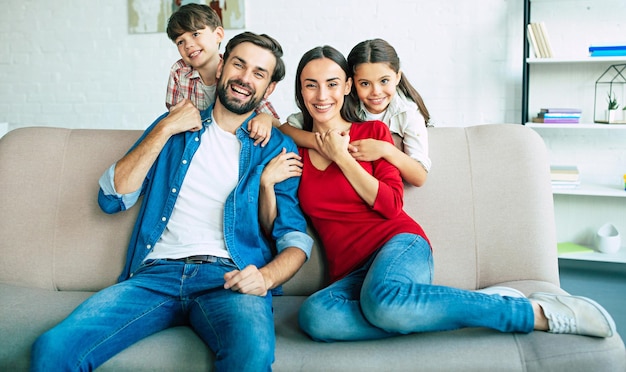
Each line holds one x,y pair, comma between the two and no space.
348,110
380,51
192,17
264,42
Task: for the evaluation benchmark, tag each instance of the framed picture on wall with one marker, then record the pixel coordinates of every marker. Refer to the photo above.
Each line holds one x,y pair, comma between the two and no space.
145,16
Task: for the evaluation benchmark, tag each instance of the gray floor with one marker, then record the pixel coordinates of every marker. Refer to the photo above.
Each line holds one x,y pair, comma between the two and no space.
602,282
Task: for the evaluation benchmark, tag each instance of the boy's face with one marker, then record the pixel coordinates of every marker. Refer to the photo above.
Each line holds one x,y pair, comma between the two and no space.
245,78
200,46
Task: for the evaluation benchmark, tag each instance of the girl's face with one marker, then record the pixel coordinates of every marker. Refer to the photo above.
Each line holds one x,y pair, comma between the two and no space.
324,86
375,84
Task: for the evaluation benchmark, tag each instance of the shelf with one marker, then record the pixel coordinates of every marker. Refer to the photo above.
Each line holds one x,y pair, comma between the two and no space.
576,126
618,257
591,190
618,59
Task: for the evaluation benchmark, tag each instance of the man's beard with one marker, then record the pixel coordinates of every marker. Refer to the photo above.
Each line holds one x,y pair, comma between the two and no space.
234,105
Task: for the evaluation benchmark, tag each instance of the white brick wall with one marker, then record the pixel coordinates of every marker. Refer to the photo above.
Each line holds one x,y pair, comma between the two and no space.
73,63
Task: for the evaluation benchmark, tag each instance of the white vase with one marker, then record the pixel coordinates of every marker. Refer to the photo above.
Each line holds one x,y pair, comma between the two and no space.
607,239
614,116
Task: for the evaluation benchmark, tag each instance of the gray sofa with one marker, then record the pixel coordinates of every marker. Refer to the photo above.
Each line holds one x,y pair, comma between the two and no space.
487,208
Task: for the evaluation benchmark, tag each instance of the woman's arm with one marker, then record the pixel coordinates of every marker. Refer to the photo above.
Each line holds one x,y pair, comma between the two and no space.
282,167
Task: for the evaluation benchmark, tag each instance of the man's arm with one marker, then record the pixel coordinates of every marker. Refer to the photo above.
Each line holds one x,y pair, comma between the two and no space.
131,170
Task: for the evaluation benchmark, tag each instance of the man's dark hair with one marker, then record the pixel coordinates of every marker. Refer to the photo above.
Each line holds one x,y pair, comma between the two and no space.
264,42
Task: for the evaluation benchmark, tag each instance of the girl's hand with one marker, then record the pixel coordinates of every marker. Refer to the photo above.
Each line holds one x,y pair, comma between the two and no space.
260,128
333,144
369,149
284,165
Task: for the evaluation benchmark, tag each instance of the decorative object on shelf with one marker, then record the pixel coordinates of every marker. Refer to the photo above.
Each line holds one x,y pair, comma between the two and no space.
607,239
611,82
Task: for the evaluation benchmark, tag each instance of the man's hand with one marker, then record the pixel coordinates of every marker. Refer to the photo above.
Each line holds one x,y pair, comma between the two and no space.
248,281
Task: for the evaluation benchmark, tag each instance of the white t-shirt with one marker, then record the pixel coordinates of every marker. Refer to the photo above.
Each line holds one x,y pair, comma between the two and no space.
196,224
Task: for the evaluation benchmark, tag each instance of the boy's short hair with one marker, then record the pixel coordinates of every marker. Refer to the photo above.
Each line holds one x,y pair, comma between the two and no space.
192,17
264,41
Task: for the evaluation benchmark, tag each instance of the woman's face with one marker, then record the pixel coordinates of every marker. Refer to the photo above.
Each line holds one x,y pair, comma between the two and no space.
324,86
375,84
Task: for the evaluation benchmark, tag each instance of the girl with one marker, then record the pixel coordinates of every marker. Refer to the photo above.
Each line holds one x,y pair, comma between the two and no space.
379,258
385,94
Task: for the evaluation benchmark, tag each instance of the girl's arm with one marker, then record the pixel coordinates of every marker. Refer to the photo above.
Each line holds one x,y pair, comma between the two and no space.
302,138
411,170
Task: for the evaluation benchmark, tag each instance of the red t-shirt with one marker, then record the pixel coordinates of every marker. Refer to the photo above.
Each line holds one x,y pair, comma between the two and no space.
349,229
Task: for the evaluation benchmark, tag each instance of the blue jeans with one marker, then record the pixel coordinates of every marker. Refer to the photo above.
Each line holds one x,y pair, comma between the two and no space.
393,294
163,294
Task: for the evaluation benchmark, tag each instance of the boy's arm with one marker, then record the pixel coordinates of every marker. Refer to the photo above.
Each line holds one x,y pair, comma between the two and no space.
260,127
173,94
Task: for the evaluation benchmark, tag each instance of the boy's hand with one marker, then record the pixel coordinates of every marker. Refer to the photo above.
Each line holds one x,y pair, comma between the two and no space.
183,117
260,128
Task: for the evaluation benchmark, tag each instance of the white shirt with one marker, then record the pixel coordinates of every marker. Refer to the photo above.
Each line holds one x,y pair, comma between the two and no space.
196,224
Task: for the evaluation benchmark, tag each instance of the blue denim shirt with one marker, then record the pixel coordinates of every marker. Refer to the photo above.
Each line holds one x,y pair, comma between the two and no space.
243,236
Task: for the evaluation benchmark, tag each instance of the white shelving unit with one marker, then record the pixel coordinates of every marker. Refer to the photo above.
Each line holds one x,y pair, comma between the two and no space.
599,150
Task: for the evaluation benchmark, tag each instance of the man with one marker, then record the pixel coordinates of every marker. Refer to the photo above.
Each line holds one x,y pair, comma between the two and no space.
197,255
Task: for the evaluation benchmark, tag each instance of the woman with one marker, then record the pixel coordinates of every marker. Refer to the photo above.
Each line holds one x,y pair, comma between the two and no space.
380,260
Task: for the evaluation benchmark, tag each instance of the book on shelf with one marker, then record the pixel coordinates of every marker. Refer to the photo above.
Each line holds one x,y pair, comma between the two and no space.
546,40
563,110
532,40
564,176
607,50
538,39
558,115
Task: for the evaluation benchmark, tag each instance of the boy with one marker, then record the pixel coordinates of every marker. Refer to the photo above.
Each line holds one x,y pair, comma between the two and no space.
197,32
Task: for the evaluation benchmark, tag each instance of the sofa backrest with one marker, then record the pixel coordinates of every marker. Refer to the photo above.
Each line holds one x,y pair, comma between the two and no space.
486,207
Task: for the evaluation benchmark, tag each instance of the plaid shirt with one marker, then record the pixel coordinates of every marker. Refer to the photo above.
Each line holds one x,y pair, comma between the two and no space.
185,82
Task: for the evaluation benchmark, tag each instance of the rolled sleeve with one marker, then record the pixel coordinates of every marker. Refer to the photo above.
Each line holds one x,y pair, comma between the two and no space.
107,186
295,239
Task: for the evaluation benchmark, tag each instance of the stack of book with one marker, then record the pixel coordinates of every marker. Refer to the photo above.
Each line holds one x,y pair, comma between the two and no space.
607,50
564,176
538,39
558,115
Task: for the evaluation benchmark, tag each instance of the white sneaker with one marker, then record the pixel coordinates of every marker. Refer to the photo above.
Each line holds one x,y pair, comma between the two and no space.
575,315
502,291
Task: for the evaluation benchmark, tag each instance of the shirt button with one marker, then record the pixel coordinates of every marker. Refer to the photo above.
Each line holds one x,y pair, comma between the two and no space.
196,139
148,246
163,219
174,190
184,161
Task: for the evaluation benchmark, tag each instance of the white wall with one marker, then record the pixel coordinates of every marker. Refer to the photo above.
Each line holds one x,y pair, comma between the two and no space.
73,63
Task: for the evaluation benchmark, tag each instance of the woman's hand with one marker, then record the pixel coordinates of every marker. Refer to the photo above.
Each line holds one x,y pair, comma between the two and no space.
284,165
333,144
